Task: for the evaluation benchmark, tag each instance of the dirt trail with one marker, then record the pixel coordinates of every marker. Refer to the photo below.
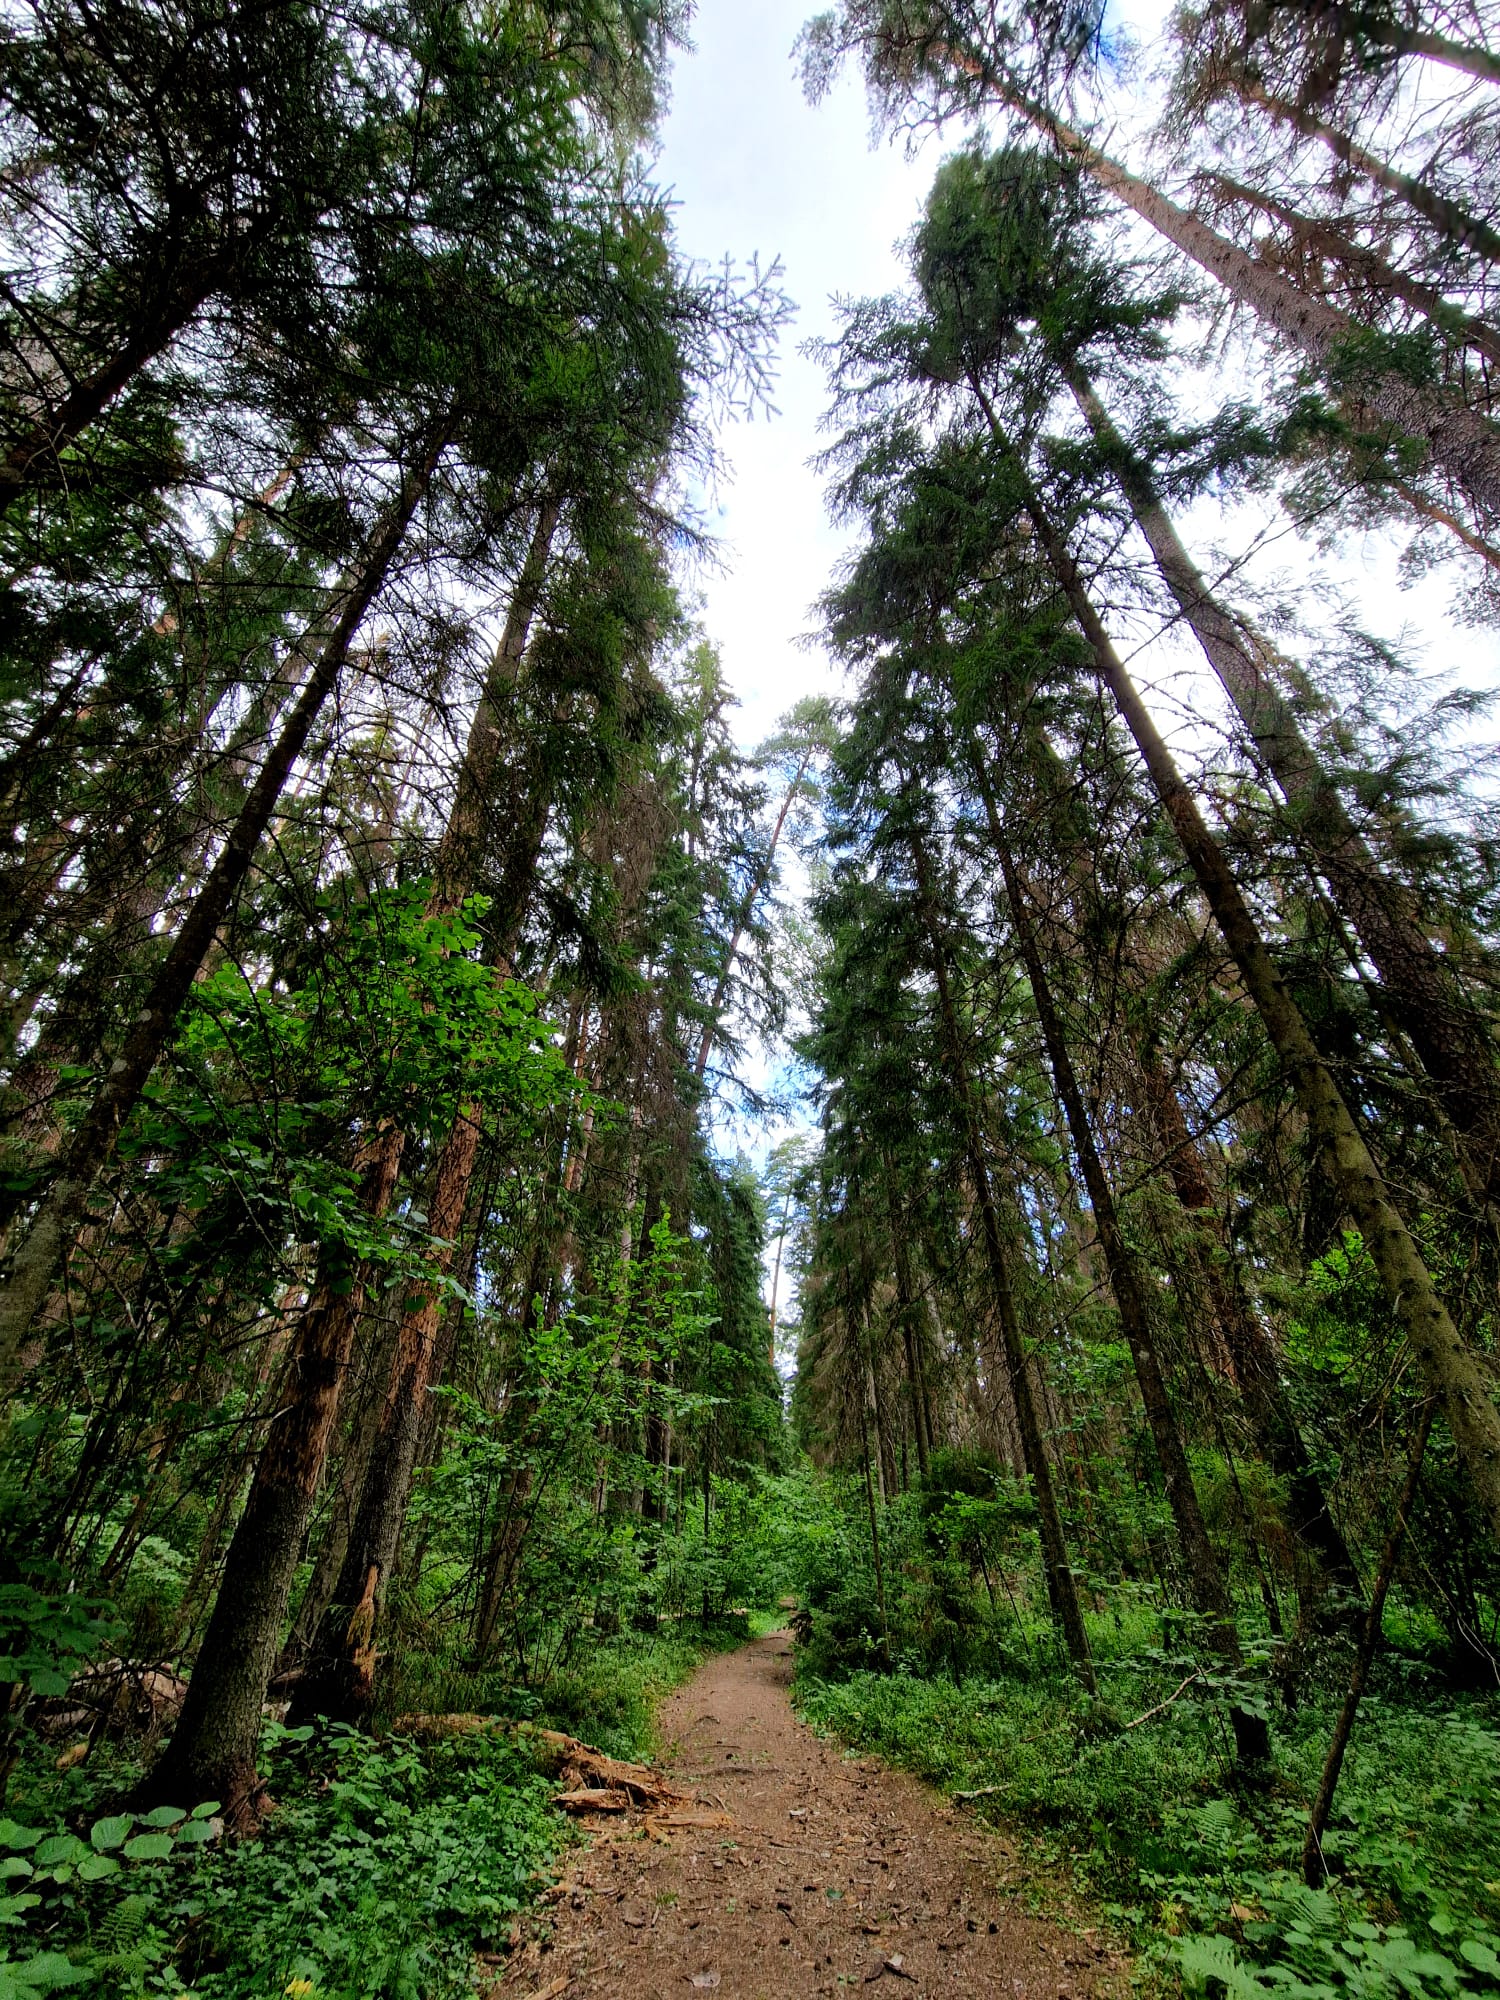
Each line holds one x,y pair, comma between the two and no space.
832,1874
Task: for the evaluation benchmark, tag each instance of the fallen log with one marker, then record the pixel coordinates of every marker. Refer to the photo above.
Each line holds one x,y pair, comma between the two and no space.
587,1774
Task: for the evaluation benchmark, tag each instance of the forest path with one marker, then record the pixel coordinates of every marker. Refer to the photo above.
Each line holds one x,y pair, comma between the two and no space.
835,1873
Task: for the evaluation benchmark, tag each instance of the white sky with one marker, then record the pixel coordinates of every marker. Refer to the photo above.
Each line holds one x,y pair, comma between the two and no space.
754,168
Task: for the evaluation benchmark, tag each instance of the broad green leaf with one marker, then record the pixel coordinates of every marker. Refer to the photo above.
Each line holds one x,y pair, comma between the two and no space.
149,1847
107,1833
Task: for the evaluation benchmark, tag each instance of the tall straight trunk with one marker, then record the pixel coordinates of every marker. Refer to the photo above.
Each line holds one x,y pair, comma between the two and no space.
1453,222
387,1482
212,1751
1062,1587
36,1261
1459,439
367,1398
864,1453
1417,985
1365,266
340,1680
1452,1371
911,1334
1210,1594
1256,1368
461,850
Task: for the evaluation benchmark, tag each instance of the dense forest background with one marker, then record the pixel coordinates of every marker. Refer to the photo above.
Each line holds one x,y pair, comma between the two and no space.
396,939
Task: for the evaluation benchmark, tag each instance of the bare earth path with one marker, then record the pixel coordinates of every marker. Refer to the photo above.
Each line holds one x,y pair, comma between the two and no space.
833,1874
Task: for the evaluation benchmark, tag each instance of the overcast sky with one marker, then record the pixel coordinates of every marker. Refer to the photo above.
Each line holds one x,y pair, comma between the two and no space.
754,168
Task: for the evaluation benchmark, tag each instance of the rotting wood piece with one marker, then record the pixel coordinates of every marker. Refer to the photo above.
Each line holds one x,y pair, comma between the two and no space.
593,1781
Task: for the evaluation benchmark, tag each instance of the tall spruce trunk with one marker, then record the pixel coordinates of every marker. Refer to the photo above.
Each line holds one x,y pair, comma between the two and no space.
1416,984
1452,1371
911,1332
1210,1594
27,460
1062,1586
212,1751
340,1678
339,1681
1365,268
1453,222
39,1256
1466,444
1257,1370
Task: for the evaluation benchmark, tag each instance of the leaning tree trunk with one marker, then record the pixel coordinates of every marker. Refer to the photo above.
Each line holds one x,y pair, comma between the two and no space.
1454,223
1458,438
1452,1371
28,458
1363,267
40,1254
212,1751
340,1677
1062,1587
1206,1579
1415,983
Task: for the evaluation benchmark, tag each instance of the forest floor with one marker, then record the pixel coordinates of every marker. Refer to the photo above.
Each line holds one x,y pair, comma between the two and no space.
824,1873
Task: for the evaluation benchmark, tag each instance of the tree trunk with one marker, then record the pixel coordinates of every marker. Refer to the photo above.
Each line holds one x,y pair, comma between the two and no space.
212,1751
1365,266
40,1254
1062,1588
23,464
1450,218
911,1334
1206,1579
340,1678
1418,987
1458,438
1452,1371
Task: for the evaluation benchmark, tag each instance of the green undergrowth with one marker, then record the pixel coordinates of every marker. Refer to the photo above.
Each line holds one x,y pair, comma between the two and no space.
1151,1824
606,1694
386,1866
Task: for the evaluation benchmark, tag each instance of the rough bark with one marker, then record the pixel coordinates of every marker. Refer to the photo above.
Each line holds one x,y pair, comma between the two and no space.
1416,984
40,1254
1062,1588
1453,1372
340,1678
1366,267
212,1751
